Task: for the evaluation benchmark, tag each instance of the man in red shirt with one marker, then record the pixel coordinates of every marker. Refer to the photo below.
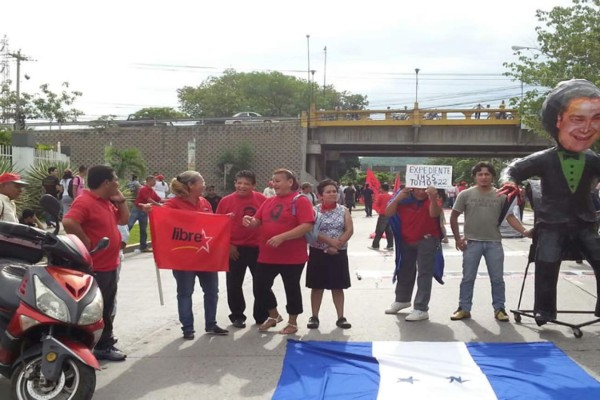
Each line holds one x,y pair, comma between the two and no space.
383,225
93,215
419,211
243,249
146,195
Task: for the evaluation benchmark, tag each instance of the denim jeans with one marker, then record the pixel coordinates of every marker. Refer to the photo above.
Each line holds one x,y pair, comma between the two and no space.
209,282
141,217
494,259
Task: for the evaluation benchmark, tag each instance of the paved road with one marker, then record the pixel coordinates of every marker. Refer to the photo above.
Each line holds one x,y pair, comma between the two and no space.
246,364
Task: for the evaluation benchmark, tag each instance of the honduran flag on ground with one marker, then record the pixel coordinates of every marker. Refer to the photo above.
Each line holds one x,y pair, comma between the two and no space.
431,370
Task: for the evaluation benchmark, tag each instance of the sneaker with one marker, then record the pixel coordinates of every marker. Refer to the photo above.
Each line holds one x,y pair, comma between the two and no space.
397,306
239,323
460,314
189,335
216,330
389,248
417,315
111,353
372,248
313,323
501,315
147,250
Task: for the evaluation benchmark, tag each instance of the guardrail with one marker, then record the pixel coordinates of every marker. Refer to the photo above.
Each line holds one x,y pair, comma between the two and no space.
413,117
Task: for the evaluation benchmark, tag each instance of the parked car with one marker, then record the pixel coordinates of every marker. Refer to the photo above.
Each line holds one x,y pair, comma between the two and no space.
248,117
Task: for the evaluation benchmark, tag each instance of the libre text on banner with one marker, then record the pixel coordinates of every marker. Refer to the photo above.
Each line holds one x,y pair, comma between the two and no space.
431,370
189,240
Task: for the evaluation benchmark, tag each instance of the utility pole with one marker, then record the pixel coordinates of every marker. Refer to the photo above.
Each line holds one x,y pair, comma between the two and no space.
19,120
325,68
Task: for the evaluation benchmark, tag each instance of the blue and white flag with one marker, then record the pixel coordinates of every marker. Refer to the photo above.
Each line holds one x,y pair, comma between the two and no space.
431,370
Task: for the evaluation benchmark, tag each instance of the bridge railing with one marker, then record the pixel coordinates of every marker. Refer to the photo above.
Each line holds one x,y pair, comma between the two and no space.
412,117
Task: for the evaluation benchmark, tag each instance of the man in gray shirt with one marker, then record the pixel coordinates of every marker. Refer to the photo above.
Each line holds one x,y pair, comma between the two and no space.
482,207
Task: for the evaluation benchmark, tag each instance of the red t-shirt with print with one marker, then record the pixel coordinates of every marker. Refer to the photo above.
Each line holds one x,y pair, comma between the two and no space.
276,216
416,222
241,206
98,217
144,194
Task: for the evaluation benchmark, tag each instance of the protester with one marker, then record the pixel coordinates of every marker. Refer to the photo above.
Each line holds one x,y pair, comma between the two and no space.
565,212
11,187
306,190
418,211
160,187
29,218
79,181
146,195
382,221
483,208
94,215
269,191
282,247
188,187
328,260
134,186
367,195
212,197
243,250
349,197
51,186
66,199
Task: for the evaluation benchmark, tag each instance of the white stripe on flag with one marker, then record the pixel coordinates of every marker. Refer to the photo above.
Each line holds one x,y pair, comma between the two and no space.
422,370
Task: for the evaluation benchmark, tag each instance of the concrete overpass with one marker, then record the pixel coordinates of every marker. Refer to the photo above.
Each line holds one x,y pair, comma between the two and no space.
493,133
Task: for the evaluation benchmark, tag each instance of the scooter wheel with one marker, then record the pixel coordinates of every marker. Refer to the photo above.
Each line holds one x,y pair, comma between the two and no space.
577,332
77,381
517,318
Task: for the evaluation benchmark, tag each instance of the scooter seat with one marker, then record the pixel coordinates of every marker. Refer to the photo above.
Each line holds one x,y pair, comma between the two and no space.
11,275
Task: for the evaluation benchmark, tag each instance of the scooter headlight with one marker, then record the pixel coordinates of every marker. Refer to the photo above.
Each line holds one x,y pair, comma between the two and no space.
49,303
92,313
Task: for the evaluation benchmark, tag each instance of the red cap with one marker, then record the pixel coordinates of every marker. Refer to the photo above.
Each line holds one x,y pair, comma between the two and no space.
160,177
10,177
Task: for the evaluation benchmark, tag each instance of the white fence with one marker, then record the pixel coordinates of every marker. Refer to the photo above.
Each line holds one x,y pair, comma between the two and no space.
24,157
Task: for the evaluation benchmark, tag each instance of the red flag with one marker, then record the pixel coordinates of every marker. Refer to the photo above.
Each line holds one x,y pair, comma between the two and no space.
372,180
190,240
397,182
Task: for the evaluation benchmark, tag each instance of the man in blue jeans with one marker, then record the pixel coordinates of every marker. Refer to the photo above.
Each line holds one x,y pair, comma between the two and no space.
482,207
145,195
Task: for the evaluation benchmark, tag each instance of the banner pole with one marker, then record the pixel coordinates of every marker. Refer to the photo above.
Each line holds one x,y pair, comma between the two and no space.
159,283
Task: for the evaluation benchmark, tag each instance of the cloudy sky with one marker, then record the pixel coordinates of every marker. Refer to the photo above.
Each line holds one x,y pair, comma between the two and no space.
128,54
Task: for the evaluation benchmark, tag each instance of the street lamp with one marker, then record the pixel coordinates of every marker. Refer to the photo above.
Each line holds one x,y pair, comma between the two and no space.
517,48
417,88
324,67
308,57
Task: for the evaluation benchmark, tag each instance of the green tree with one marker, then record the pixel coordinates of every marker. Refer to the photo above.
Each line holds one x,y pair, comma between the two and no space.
124,161
238,160
568,47
158,113
268,93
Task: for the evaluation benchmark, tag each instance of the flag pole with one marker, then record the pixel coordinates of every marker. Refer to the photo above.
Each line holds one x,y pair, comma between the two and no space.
159,283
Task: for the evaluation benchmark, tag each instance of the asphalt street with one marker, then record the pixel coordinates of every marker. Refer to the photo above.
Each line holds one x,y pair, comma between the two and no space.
246,364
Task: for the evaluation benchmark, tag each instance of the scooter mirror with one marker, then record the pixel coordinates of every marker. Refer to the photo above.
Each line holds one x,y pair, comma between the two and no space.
102,244
51,205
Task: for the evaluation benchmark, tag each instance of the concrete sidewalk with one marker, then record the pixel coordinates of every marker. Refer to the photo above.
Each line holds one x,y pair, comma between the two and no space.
246,364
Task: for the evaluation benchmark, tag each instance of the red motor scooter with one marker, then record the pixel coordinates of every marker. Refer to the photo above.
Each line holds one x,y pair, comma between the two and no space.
50,312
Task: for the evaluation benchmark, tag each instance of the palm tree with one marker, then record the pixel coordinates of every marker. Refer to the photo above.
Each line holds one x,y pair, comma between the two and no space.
123,161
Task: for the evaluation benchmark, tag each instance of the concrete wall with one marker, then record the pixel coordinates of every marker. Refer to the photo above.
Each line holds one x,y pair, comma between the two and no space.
164,148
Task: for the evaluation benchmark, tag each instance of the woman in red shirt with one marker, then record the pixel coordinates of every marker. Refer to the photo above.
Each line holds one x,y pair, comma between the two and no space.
188,187
282,247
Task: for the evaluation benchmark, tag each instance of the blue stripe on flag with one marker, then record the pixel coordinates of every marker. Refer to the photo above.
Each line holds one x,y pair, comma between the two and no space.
516,371
533,371
328,370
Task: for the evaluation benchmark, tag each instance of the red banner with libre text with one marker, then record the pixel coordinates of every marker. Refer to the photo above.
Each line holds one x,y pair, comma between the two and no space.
190,240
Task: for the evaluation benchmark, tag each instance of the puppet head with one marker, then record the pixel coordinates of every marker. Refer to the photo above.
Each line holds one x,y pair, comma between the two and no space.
571,114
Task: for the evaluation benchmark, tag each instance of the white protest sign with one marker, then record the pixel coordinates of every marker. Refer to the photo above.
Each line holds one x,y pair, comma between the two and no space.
422,176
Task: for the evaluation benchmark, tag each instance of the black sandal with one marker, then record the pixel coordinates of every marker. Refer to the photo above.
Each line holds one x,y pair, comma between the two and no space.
343,323
313,323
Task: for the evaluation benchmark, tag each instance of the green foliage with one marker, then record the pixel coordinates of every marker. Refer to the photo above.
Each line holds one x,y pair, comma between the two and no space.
461,168
268,93
158,113
5,137
240,160
46,104
30,197
125,162
568,39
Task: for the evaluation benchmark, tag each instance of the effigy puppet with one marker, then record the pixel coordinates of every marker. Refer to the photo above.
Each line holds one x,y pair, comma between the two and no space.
568,172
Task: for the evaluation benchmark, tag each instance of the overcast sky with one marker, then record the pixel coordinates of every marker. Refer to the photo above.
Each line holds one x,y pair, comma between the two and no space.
126,55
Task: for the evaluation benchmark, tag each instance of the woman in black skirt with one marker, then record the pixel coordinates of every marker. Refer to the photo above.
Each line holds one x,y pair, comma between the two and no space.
328,260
